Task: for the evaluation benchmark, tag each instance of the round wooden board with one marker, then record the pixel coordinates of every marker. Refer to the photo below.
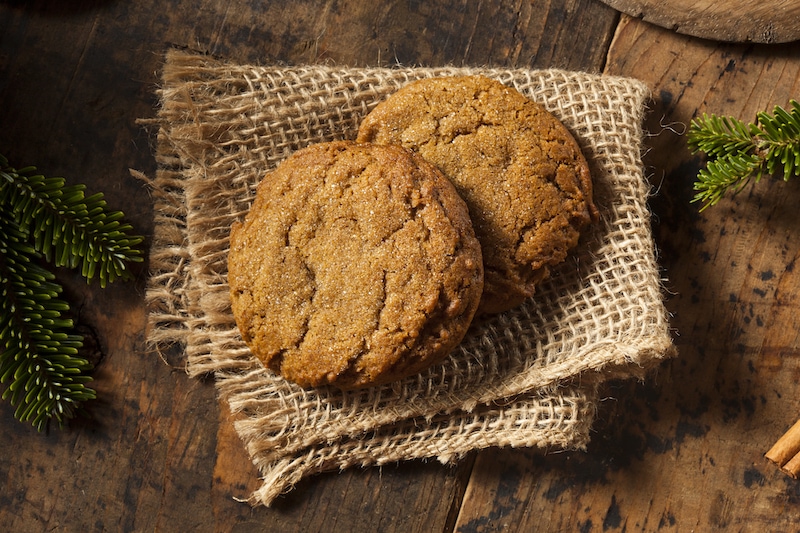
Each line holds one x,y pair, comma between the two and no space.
765,21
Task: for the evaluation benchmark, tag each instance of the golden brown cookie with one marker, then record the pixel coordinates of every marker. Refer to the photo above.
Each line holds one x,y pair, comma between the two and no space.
356,265
520,171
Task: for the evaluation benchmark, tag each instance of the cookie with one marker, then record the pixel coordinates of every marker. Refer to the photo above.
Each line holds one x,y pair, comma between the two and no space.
520,171
356,265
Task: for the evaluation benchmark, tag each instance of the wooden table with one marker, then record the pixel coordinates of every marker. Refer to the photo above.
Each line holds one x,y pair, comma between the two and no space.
682,451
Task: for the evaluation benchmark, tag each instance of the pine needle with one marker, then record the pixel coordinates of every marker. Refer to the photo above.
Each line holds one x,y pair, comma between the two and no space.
42,218
740,152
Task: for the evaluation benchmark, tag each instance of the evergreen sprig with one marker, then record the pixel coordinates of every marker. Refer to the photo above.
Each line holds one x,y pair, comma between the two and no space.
740,152
42,219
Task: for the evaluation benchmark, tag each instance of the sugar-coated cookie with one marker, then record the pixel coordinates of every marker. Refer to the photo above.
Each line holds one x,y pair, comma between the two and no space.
520,171
356,265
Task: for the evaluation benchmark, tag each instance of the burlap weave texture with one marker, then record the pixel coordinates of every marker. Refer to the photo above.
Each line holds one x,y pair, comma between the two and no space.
527,377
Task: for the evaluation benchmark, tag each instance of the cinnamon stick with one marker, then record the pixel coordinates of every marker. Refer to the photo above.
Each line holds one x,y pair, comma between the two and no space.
786,451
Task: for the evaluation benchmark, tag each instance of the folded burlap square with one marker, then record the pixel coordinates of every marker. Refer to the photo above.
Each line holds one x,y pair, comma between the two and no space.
527,377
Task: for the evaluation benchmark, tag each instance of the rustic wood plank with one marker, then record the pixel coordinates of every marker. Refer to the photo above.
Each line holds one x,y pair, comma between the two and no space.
159,453
773,21
405,33
684,451
732,268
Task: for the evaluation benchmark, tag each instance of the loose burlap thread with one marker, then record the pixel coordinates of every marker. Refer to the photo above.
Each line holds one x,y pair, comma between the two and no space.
525,378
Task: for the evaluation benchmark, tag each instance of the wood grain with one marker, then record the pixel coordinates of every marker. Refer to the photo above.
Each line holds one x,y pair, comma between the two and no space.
159,453
773,21
685,451
681,451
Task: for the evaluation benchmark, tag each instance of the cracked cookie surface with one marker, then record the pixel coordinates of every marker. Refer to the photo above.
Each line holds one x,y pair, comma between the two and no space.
357,264
520,171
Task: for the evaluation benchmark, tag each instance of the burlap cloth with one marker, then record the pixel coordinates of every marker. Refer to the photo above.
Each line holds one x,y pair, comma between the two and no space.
526,378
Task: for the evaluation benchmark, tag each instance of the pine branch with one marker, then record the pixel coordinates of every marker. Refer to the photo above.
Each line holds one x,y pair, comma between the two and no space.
740,152
39,351
42,218
69,228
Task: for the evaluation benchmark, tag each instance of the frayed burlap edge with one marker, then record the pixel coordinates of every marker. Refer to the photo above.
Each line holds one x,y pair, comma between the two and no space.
222,126
549,419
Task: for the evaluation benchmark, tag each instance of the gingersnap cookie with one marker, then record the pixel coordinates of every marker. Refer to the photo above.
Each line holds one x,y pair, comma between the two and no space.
356,265
520,171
